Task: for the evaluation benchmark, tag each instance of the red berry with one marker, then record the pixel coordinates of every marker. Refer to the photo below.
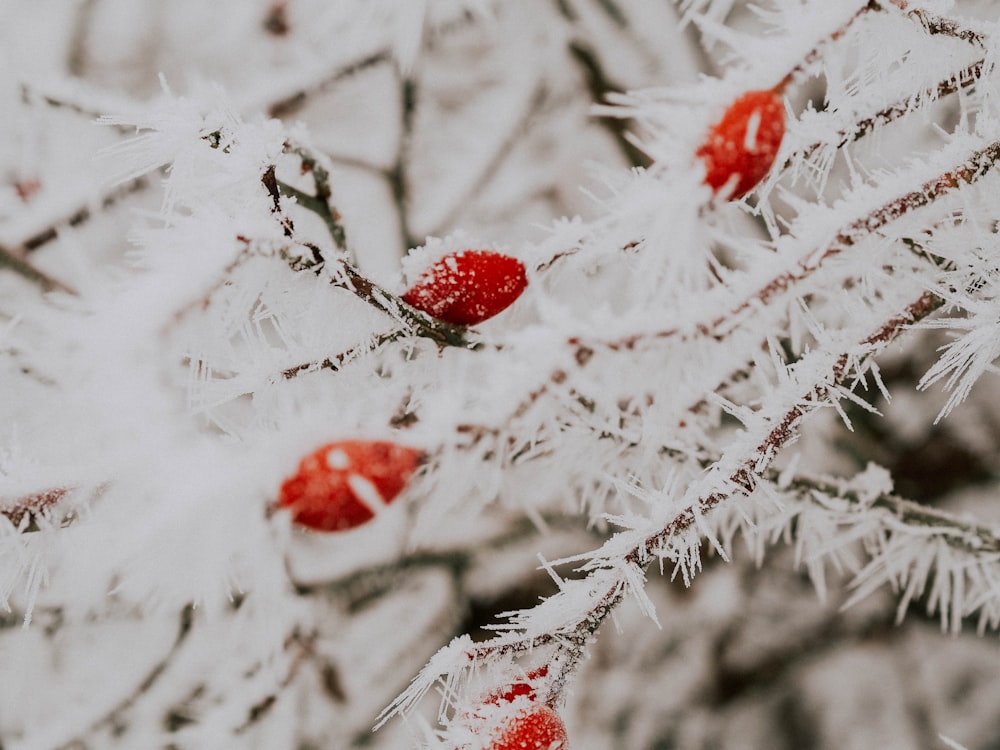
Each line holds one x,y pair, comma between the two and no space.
515,689
741,147
527,727
342,485
468,287
536,729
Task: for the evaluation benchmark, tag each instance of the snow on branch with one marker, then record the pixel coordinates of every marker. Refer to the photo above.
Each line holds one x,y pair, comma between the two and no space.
333,445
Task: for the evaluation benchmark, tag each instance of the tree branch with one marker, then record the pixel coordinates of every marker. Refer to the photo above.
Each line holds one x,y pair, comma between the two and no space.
970,171
292,103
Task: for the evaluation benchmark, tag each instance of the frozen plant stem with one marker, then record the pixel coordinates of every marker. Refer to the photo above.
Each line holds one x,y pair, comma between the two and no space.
320,202
673,540
970,171
26,270
336,361
965,78
959,533
113,716
932,23
343,275
292,103
814,54
83,214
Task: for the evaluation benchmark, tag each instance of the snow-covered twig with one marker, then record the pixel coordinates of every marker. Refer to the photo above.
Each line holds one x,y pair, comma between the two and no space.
584,604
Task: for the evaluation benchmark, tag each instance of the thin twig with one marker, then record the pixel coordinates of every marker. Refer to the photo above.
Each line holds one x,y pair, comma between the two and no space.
959,533
345,275
77,53
336,361
744,478
943,26
9,261
320,202
29,511
932,23
292,103
978,164
810,57
33,96
489,169
113,716
600,87
961,80
83,214
398,175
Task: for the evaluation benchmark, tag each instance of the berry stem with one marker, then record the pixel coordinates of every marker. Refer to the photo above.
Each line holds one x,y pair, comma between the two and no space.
344,275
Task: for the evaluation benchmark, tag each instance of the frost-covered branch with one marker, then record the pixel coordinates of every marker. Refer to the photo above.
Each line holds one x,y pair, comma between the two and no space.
80,216
343,275
569,619
290,104
858,129
807,262
935,23
11,262
342,445
115,715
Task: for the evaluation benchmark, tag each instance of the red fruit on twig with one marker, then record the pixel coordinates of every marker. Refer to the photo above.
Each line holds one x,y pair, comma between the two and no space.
740,148
343,485
538,728
468,287
524,725
509,692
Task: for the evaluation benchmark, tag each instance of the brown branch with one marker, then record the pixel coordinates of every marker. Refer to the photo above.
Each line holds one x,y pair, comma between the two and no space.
10,261
305,651
600,87
813,54
398,175
35,511
28,512
31,96
942,25
292,103
958,532
932,23
77,53
744,478
963,79
968,172
83,214
492,166
113,717
346,276
336,361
